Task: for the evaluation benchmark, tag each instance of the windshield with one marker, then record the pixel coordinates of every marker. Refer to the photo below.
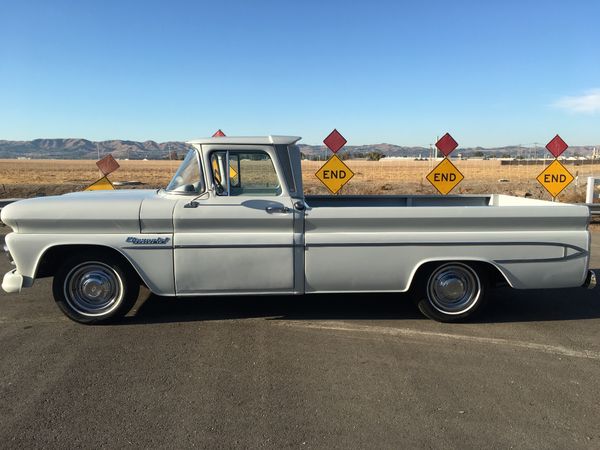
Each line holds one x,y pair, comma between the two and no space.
187,178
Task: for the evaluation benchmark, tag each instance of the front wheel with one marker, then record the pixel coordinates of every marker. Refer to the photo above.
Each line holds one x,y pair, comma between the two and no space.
95,289
451,292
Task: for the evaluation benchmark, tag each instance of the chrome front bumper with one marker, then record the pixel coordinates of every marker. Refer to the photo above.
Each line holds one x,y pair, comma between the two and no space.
12,282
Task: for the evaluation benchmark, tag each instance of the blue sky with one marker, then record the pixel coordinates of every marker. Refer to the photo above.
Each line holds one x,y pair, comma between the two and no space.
491,73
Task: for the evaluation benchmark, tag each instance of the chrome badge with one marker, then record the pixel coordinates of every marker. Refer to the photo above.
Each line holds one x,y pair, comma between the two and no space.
151,241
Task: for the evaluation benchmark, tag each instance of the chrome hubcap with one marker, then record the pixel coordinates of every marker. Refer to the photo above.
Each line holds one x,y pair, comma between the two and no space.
93,289
453,288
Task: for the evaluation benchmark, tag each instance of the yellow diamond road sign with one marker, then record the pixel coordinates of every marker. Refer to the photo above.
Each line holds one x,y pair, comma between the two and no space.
217,174
555,178
445,176
334,174
103,184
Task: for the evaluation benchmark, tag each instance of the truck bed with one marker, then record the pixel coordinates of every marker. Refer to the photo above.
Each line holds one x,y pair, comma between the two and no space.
316,201
375,242
366,201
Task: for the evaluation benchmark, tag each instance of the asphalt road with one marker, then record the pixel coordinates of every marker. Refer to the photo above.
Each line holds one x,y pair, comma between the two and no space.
314,372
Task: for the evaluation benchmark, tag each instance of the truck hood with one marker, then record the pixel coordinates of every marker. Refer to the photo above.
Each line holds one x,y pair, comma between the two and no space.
89,212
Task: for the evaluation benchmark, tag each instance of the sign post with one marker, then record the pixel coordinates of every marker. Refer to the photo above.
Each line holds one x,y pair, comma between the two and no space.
334,174
555,178
445,176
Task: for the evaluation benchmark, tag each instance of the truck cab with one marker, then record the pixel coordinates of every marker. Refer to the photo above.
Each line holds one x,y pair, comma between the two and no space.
247,220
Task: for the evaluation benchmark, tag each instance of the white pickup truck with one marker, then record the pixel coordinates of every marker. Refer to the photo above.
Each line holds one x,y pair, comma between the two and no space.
234,221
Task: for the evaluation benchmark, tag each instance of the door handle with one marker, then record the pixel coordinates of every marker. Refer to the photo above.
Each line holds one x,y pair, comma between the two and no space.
277,209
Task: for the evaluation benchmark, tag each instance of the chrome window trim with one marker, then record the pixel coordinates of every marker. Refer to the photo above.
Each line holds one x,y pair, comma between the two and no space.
238,151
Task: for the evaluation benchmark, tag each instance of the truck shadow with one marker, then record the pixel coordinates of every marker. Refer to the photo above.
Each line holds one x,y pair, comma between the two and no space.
505,305
157,309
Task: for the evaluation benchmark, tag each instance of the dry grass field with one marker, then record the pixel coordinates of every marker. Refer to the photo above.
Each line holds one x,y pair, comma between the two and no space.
26,178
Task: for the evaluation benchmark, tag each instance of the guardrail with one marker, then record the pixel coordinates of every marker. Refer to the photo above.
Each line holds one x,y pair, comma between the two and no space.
589,192
594,209
590,196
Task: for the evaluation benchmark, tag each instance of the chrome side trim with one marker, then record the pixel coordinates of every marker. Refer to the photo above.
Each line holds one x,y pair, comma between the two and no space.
533,260
236,246
383,244
153,247
189,293
579,251
445,244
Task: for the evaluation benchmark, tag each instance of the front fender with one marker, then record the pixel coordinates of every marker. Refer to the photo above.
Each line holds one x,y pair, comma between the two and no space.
152,262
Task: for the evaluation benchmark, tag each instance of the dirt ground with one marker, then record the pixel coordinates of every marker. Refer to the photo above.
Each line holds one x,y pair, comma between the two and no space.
28,178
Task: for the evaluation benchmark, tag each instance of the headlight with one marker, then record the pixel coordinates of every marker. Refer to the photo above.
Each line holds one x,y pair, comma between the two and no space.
10,260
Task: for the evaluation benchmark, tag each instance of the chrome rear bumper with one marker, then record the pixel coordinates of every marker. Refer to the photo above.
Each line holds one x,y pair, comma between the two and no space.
590,281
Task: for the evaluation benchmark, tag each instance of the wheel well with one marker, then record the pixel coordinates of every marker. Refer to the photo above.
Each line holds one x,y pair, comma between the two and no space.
53,257
495,276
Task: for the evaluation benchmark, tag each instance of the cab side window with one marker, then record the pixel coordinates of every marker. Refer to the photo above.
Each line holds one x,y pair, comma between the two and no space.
244,173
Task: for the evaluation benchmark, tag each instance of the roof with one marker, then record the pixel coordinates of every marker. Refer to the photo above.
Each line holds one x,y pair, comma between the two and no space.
248,140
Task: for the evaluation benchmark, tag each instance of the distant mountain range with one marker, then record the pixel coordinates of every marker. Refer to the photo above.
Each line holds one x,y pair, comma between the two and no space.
122,149
85,149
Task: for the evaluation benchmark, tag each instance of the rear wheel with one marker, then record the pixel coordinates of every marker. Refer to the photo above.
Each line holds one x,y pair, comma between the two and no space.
95,289
451,292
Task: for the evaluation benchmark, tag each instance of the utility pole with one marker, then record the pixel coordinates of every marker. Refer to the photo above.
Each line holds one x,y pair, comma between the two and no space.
98,151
